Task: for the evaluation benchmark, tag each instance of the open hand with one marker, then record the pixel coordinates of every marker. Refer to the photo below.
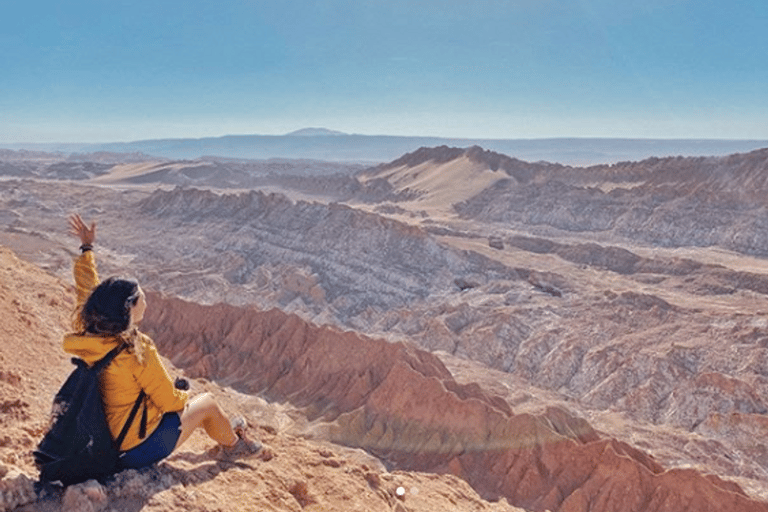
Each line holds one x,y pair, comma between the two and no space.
81,230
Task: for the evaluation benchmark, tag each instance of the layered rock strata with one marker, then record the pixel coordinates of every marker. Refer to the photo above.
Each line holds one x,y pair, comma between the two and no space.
402,404
360,260
672,202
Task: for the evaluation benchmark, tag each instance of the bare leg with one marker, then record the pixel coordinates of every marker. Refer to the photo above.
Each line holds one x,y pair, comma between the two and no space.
203,411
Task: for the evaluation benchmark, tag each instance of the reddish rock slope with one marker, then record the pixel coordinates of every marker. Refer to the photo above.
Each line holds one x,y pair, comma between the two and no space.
403,405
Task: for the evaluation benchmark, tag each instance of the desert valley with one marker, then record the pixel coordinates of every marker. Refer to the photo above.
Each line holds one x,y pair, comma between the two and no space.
456,329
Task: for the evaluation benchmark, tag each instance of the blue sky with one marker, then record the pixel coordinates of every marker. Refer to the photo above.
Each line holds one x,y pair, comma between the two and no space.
120,70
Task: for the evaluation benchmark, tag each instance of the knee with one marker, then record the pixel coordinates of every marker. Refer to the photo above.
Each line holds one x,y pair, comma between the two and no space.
200,409
207,403
205,398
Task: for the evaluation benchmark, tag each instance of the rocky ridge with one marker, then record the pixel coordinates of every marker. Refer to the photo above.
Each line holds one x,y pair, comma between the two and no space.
353,260
716,201
403,405
513,167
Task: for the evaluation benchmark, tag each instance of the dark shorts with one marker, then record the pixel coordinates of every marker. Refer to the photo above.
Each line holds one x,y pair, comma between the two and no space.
157,446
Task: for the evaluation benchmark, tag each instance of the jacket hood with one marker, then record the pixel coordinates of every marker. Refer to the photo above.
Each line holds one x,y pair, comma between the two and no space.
89,348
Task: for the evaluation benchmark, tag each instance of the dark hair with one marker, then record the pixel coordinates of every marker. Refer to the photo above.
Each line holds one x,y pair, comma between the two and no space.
108,309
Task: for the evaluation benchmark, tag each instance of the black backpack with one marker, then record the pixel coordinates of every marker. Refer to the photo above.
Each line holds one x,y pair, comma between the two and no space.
79,446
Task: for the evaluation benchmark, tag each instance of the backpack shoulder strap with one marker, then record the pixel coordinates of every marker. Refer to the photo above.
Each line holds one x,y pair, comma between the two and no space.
98,367
131,417
102,363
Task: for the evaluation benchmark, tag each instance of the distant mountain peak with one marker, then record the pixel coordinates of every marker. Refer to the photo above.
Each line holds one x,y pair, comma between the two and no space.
314,132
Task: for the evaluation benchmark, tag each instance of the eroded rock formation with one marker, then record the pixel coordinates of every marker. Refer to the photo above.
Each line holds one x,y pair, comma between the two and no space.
360,260
670,202
665,349
402,404
614,329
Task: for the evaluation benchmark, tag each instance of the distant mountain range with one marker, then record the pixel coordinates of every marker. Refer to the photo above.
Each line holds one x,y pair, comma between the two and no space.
329,145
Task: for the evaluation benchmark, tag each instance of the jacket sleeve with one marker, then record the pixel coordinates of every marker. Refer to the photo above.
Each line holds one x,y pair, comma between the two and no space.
86,276
157,384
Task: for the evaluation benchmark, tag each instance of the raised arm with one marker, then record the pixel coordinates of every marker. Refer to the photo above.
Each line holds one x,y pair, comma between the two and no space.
80,229
86,276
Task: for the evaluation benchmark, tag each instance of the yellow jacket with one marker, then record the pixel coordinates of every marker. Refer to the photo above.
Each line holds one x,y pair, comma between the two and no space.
122,381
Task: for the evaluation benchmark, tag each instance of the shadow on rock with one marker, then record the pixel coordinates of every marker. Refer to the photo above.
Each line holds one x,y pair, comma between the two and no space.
131,490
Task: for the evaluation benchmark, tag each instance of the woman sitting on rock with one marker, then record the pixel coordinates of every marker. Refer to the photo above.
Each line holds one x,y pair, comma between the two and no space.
107,315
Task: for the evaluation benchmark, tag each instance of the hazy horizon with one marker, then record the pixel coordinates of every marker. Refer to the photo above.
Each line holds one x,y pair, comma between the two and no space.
128,71
379,135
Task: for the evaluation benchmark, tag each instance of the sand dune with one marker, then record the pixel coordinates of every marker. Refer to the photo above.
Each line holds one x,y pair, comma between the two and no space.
440,185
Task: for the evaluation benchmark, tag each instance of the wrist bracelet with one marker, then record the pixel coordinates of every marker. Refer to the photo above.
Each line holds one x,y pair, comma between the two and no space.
86,247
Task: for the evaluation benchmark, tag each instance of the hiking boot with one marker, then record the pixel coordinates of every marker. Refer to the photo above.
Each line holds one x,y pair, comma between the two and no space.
239,425
243,447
